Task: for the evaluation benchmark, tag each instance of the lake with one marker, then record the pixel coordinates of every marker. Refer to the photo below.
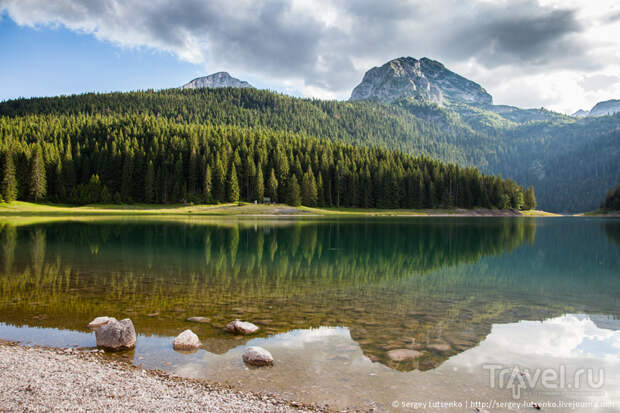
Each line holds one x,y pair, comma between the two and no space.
496,310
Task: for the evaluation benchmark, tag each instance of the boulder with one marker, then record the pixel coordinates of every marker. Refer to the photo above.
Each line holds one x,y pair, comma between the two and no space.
99,321
203,320
116,335
403,354
186,341
241,327
257,356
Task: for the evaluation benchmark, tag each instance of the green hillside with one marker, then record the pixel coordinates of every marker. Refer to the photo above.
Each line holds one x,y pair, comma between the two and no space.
570,162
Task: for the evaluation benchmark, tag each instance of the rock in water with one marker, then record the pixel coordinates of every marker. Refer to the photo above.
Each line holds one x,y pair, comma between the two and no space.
257,356
116,335
423,79
99,321
241,327
187,341
403,354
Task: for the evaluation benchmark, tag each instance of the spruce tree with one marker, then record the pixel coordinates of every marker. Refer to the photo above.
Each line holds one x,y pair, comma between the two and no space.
127,178
308,189
9,182
38,182
293,192
149,183
206,186
529,199
232,184
259,184
272,187
219,182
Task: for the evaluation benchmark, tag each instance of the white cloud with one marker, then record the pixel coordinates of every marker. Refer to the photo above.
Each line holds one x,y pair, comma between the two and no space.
531,53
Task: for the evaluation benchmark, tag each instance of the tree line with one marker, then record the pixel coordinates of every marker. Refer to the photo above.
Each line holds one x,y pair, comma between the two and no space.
142,158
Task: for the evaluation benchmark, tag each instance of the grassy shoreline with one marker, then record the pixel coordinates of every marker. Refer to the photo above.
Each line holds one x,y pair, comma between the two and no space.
20,208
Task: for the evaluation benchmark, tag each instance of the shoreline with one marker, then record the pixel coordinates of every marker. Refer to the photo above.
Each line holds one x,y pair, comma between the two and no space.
44,379
242,210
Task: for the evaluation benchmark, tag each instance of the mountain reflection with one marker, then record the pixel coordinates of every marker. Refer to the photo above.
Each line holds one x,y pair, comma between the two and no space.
396,284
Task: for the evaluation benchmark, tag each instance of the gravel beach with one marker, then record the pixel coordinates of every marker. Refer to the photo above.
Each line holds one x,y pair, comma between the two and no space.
37,379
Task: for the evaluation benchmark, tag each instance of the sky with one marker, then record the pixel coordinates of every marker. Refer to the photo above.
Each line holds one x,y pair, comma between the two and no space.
560,54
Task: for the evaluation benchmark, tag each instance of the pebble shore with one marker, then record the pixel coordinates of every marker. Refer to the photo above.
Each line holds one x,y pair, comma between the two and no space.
36,379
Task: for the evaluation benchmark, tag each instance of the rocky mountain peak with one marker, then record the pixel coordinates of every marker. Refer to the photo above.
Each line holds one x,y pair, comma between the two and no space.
423,79
215,80
608,107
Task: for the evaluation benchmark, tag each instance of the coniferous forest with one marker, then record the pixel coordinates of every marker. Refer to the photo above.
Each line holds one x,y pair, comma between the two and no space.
124,158
570,162
612,200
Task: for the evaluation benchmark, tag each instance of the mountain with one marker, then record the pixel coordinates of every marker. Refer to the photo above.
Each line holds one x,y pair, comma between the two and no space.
581,113
421,79
215,80
608,107
571,162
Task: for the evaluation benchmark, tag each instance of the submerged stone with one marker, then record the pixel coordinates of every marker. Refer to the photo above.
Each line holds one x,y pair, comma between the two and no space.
403,354
202,320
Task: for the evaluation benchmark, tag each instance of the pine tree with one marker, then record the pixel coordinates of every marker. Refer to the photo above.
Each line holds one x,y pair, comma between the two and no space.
149,183
293,192
232,184
272,187
308,189
9,182
38,182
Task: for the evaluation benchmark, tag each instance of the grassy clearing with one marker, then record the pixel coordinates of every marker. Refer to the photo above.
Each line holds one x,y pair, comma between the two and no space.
537,213
25,209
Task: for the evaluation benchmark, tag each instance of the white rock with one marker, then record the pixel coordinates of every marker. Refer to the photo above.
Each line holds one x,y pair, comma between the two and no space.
187,341
257,356
99,321
241,327
116,335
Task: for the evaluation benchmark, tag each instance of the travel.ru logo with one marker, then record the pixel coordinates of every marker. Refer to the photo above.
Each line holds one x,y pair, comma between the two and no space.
549,379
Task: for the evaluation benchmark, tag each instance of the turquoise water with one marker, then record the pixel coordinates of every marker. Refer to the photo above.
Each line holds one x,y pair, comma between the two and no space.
336,300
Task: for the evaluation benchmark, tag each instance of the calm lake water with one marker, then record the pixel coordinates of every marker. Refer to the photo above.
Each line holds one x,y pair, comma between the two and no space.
493,305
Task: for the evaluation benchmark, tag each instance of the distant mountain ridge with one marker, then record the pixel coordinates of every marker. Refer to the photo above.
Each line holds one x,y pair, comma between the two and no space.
423,79
215,80
607,107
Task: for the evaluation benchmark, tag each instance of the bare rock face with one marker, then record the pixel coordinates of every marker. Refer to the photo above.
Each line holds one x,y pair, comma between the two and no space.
116,335
423,79
403,354
257,356
241,327
186,341
216,80
99,321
